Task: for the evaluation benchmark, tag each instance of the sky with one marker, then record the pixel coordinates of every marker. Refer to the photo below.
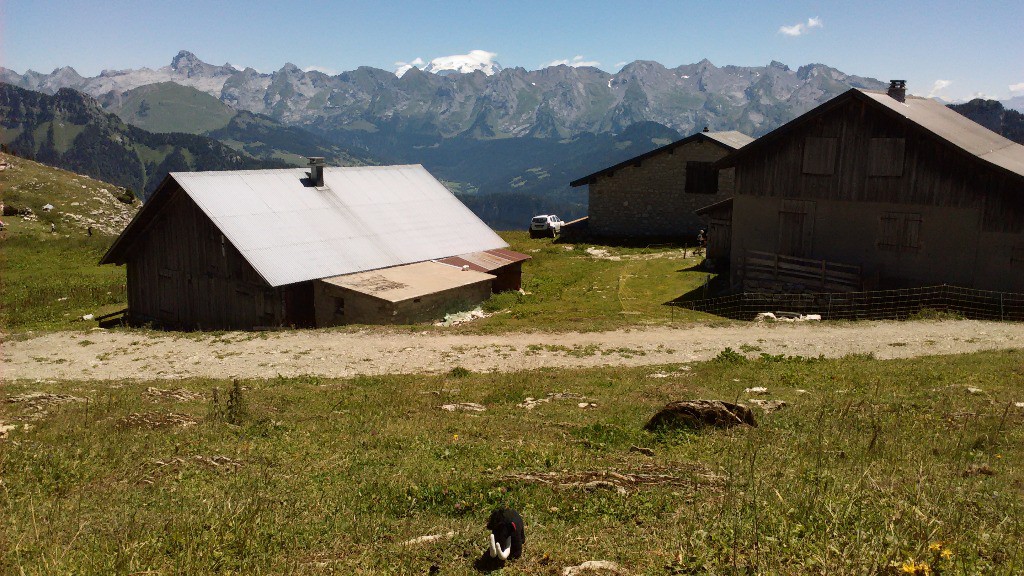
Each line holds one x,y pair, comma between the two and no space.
950,49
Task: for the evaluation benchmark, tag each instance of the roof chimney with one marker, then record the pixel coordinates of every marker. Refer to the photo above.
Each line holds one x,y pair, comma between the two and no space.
316,171
898,90
706,129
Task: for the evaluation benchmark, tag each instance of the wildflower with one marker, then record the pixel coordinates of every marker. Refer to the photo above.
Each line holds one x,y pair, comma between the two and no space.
946,554
455,437
935,546
916,568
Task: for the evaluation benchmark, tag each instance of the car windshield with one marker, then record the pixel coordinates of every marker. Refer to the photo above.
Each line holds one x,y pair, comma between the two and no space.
540,219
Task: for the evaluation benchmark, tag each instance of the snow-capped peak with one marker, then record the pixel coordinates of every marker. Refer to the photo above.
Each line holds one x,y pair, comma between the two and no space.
481,60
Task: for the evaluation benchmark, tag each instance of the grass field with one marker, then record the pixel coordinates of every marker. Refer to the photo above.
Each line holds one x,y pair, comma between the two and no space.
875,467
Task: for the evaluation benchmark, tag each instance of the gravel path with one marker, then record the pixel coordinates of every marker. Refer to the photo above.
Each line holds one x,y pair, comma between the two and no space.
109,355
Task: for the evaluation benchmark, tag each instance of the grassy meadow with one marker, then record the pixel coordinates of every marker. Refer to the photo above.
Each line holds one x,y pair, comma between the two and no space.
874,467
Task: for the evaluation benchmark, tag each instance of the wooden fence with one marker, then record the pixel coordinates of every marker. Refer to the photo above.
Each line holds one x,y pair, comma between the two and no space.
766,270
871,305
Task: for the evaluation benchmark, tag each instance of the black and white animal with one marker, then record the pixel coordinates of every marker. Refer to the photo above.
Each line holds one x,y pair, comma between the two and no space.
507,533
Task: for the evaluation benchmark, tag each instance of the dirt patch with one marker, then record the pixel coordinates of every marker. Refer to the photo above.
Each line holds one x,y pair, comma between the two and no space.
154,420
621,482
40,402
173,395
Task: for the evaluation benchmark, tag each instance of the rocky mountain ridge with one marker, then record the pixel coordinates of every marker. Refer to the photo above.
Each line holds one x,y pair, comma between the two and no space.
557,101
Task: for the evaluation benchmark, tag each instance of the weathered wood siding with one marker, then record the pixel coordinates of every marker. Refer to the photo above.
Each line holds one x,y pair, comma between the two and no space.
183,273
650,199
857,186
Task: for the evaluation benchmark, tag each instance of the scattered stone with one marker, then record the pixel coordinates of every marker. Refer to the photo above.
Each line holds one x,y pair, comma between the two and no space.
429,538
769,406
530,403
464,407
697,414
462,317
642,450
177,394
5,428
1019,404
786,317
801,391
755,390
87,317
587,405
973,390
593,566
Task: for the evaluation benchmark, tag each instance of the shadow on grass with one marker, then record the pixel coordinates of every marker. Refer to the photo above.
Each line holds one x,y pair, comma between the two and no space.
717,286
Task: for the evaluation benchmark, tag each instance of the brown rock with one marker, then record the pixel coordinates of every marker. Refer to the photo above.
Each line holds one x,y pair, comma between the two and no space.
696,414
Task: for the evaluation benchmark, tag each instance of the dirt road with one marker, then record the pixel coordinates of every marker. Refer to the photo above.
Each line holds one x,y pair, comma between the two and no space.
108,355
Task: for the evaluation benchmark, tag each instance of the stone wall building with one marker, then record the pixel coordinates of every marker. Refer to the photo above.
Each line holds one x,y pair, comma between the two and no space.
655,194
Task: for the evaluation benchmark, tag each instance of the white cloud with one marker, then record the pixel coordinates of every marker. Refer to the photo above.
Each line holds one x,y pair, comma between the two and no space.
619,65
939,86
576,62
403,67
801,28
1017,87
324,69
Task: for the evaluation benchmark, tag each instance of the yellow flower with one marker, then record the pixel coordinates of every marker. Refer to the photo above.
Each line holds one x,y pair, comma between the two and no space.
946,554
935,546
455,437
915,568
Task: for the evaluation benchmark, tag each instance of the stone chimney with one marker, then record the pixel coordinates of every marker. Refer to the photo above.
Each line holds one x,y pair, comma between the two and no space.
316,171
898,90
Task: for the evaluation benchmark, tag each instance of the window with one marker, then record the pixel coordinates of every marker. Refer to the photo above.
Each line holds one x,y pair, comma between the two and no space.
701,178
900,232
885,157
820,155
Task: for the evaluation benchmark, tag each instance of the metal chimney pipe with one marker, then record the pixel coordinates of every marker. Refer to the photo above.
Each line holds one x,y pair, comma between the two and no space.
316,171
898,90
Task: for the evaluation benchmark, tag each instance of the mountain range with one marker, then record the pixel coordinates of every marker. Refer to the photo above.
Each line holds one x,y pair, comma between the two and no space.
483,129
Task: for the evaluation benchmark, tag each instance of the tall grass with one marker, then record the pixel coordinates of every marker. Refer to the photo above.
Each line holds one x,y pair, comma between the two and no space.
878,467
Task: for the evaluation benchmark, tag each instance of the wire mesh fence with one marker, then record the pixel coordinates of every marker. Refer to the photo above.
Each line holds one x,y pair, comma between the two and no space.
873,305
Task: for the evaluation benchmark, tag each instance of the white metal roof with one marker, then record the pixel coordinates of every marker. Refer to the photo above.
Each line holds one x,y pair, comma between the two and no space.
365,218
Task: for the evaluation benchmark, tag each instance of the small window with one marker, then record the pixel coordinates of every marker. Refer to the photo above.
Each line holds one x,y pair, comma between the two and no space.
701,178
416,299
900,232
885,157
339,306
820,155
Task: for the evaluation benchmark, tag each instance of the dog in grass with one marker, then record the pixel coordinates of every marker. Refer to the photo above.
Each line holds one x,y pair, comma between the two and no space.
507,534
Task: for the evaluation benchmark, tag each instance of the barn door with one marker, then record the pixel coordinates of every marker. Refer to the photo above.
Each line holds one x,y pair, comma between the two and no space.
169,296
796,226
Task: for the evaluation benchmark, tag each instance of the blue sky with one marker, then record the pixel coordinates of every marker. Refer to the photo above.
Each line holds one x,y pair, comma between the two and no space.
952,49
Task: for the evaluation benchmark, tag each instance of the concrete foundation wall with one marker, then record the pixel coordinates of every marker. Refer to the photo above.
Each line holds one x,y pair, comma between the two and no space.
650,199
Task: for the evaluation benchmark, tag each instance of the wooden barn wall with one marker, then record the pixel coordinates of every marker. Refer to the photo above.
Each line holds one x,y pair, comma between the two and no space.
934,173
651,199
184,274
970,229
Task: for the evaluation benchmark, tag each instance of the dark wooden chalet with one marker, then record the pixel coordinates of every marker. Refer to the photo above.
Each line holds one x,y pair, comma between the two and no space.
876,189
263,248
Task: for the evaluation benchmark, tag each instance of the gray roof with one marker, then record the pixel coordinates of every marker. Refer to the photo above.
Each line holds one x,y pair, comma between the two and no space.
956,129
365,218
730,139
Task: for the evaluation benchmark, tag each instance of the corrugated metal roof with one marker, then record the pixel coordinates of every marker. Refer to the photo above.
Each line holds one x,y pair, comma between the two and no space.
486,261
957,129
365,218
400,283
730,139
